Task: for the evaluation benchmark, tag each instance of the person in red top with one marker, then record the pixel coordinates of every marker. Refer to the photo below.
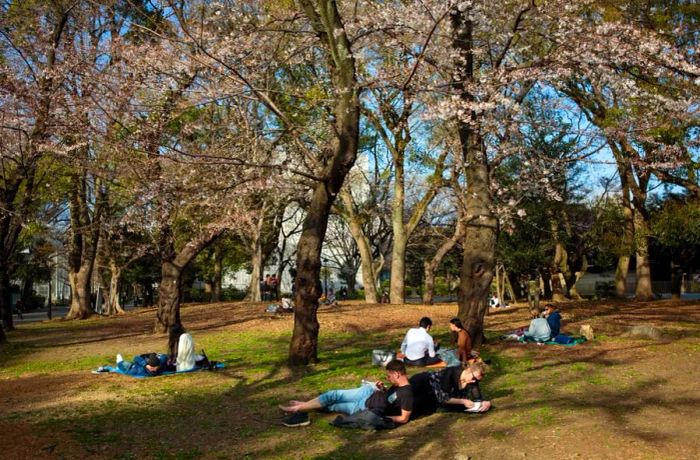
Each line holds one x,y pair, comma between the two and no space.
463,339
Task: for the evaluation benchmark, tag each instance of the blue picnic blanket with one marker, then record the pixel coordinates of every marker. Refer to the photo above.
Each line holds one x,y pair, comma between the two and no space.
561,339
116,370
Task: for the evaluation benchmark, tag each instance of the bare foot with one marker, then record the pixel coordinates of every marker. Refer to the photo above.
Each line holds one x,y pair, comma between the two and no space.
292,407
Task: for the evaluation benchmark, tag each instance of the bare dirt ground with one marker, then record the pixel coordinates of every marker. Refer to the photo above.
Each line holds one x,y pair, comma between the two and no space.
618,396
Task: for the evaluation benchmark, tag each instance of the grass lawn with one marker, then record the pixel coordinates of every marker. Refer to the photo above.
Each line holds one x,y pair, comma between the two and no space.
618,396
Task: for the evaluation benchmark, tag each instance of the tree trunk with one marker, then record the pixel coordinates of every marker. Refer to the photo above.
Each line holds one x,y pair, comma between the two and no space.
429,267
169,295
5,304
254,294
643,290
621,272
341,156
398,264
172,266
579,274
80,306
369,274
218,270
481,225
85,234
115,306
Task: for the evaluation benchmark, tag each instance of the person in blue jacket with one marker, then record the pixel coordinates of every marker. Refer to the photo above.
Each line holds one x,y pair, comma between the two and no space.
553,319
146,365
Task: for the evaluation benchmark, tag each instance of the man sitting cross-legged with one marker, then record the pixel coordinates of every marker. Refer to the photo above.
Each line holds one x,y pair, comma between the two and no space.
395,403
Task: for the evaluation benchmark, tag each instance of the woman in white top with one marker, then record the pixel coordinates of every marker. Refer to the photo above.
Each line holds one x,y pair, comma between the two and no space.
185,353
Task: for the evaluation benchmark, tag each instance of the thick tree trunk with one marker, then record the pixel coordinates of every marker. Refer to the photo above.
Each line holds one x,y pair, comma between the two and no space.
169,294
80,307
342,153
643,290
172,266
254,294
481,225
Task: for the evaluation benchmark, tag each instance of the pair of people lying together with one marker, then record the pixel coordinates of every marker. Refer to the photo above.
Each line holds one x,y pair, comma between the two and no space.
181,357
454,388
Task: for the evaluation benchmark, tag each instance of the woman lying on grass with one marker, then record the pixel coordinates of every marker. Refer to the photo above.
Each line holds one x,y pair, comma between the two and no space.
451,389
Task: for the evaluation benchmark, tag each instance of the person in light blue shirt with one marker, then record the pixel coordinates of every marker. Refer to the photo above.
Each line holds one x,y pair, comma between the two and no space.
539,330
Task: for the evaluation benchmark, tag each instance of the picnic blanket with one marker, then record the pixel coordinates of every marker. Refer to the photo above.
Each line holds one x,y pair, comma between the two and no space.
116,370
561,339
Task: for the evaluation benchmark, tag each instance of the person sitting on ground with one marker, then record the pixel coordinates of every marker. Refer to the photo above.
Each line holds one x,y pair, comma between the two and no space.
539,330
146,365
286,305
395,402
452,389
418,346
553,319
463,340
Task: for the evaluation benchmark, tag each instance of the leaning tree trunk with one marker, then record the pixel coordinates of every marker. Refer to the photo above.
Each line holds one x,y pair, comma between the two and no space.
481,225
369,275
341,156
429,266
172,266
115,306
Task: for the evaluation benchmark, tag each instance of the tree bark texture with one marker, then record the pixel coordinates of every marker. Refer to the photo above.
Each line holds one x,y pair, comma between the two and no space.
85,232
481,225
172,265
644,290
342,152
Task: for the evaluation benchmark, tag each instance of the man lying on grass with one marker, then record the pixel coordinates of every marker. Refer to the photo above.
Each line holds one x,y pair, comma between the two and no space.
395,403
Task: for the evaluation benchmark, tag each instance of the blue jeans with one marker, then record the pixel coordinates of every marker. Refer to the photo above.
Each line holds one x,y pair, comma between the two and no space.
347,401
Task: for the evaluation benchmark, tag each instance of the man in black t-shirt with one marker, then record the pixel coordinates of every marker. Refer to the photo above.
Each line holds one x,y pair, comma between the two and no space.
395,402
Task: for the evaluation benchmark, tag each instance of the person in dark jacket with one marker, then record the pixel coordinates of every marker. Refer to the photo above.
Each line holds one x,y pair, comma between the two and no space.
553,319
452,388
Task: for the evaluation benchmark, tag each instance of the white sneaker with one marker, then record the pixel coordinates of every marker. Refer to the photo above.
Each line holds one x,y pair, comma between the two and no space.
119,358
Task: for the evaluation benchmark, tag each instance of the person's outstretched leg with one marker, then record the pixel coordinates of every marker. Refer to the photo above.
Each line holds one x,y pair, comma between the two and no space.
346,401
302,406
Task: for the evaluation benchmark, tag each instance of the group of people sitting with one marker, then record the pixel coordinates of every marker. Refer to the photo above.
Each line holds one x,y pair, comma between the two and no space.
373,405
181,357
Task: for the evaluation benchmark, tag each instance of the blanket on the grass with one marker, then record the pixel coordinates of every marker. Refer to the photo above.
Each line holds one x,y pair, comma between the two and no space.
561,339
116,370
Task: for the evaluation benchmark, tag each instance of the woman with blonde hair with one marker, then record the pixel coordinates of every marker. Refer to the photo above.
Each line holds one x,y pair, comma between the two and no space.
453,388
